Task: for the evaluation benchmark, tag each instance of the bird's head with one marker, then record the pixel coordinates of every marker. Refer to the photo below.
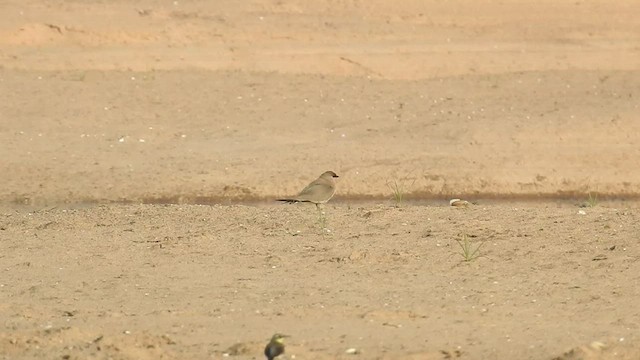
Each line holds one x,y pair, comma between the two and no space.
329,174
279,338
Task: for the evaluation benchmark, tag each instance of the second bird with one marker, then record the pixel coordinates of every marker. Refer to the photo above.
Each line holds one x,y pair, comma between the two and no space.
275,347
319,191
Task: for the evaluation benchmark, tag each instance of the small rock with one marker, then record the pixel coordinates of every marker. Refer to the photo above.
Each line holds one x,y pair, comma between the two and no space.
352,351
599,257
458,203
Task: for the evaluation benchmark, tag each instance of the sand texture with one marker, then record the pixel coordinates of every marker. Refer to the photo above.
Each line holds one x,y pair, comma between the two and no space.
143,144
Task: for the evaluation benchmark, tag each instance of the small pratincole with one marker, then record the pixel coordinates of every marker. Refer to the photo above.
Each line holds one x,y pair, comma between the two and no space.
275,347
319,191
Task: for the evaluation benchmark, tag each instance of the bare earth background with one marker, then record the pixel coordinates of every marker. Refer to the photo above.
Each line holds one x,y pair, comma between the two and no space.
111,109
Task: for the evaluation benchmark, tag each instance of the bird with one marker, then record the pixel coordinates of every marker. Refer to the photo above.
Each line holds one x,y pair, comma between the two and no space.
318,191
275,347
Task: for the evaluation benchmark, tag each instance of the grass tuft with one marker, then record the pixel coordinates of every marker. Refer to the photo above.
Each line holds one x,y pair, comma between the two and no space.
592,199
322,221
399,189
469,251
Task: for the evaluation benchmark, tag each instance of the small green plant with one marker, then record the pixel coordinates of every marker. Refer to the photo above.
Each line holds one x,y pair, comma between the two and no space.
322,220
592,199
77,76
399,189
468,252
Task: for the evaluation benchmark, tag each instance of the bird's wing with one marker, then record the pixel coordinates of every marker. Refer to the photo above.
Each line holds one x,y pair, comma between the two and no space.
318,190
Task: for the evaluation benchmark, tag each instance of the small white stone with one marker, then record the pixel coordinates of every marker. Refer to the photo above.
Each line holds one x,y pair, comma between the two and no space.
351,351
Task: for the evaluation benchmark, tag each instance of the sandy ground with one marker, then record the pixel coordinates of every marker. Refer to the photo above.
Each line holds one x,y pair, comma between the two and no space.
109,110
199,281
